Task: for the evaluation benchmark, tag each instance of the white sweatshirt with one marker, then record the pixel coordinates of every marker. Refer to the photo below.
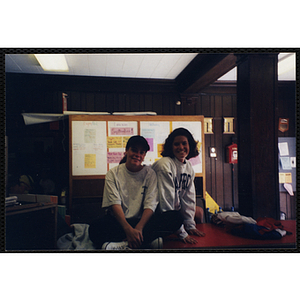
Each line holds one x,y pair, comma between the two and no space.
176,190
134,191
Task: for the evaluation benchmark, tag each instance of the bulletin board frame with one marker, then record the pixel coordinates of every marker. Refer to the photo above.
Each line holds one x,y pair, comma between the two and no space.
140,121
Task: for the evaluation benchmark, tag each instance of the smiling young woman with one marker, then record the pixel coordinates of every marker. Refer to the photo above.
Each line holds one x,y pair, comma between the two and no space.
134,158
181,148
175,177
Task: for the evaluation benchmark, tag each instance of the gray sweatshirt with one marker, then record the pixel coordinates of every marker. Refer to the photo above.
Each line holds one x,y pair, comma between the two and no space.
176,190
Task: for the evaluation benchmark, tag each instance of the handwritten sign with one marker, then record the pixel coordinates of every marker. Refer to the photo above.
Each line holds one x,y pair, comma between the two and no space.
90,123
98,147
90,161
90,135
285,177
114,142
114,157
78,146
121,131
125,140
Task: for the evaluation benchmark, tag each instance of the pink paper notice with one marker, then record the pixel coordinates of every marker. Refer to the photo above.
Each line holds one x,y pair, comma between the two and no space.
195,160
114,157
150,142
121,131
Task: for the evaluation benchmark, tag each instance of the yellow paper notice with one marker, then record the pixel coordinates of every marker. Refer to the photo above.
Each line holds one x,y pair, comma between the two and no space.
114,142
160,148
90,161
285,177
199,146
281,178
125,140
288,177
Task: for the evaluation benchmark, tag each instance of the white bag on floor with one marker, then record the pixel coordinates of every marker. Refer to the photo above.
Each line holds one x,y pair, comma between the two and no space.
78,240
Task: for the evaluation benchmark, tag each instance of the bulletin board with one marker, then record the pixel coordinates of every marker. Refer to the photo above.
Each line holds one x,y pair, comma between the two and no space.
287,162
88,145
155,132
97,142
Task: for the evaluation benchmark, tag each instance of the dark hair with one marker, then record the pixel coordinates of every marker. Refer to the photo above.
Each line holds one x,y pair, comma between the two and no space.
168,146
135,141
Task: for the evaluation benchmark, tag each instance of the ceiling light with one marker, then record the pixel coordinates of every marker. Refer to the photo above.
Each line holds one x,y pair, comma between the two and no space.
52,62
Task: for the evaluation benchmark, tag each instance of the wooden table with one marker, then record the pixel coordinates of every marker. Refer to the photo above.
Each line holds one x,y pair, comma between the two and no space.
31,226
217,237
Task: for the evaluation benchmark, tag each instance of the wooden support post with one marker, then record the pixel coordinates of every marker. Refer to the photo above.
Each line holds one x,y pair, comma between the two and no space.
258,185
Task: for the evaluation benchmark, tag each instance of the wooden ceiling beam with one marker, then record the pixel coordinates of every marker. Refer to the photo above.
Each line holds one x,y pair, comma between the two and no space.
204,70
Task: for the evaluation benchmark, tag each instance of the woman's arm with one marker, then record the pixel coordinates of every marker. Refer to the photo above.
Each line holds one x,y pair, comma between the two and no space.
166,190
188,206
188,209
150,194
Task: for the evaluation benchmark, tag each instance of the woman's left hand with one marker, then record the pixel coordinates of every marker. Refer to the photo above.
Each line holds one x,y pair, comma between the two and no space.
189,240
196,232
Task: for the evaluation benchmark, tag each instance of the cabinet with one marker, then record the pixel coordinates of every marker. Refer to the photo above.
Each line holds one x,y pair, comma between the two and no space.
31,227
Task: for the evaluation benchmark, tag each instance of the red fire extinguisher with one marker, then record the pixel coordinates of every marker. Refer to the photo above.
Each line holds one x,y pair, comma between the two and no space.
232,158
232,154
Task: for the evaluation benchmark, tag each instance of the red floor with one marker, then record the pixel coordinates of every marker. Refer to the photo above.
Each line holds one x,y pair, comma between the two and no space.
217,238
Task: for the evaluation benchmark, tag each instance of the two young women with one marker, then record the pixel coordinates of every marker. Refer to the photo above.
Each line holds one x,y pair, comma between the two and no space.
133,219
130,197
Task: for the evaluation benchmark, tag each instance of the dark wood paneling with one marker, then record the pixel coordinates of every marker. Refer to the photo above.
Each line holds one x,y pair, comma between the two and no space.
206,105
100,102
228,109
142,102
209,164
148,103
288,205
35,93
88,188
110,102
287,106
121,106
219,170
169,104
74,101
218,110
157,103
214,104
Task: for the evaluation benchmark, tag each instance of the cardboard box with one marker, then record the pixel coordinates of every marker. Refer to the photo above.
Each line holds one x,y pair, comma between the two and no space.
35,198
25,197
47,198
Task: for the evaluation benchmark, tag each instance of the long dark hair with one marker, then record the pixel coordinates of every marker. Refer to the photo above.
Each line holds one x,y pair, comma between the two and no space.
168,146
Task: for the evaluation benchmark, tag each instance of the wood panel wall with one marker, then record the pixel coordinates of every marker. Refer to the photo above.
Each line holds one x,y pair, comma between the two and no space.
217,102
287,109
37,93
162,103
